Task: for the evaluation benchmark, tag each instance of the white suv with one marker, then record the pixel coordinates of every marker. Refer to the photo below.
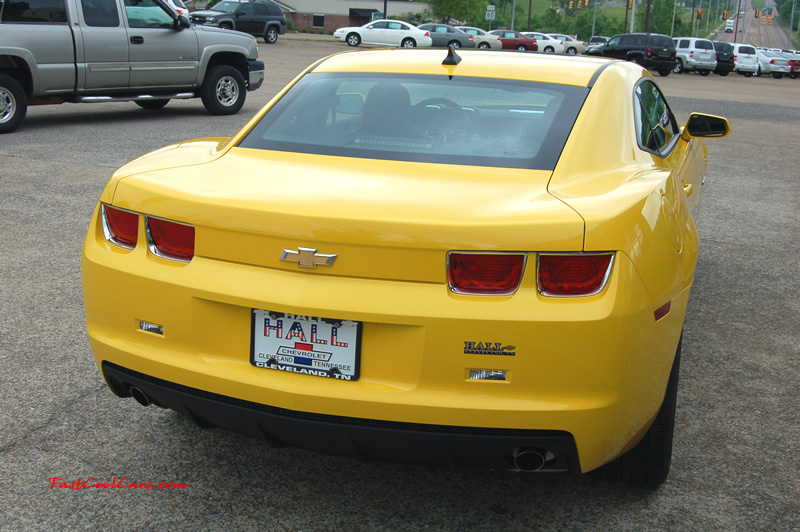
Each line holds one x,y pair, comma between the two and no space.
745,60
694,54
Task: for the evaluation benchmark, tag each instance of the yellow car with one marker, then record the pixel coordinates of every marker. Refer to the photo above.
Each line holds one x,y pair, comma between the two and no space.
459,258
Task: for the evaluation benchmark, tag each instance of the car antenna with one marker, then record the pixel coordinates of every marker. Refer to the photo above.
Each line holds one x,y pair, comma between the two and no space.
452,58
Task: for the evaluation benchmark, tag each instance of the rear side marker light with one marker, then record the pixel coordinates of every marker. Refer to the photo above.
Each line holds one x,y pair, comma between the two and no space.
496,274
662,311
572,275
120,227
170,240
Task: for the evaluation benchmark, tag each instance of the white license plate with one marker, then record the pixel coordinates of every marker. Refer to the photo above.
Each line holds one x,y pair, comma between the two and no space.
306,344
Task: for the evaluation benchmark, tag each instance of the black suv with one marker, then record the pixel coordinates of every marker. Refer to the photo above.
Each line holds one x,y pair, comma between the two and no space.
725,61
262,19
653,51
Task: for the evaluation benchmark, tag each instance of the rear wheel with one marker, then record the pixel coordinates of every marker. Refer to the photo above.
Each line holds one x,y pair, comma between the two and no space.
572,51
522,48
648,463
678,67
271,36
13,105
454,44
152,105
353,39
484,45
549,49
704,72
408,43
223,91
724,73
664,72
777,75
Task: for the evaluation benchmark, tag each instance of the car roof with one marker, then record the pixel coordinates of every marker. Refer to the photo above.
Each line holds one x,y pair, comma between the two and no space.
546,68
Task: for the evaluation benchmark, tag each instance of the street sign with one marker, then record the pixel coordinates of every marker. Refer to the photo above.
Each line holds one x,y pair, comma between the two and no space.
490,15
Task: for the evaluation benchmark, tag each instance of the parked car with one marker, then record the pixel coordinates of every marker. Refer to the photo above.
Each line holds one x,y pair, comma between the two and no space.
653,51
514,40
546,44
446,35
572,46
260,19
482,38
179,7
386,32
508,291
794,62
772,63
725,62
745,60
694,55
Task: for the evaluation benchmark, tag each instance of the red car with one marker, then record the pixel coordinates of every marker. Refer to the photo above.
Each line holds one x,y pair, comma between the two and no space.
514,40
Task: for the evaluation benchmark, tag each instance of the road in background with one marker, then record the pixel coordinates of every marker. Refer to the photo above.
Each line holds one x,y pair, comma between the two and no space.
736,451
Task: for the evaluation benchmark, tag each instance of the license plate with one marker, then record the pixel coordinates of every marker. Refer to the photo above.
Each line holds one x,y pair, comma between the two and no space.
306,344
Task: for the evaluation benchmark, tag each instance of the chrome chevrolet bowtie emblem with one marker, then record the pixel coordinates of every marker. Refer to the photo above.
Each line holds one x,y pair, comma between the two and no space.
307,257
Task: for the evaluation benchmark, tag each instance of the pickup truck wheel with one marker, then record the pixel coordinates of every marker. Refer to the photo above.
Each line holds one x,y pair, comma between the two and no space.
226,26
271,36
13,104
152,105
223,91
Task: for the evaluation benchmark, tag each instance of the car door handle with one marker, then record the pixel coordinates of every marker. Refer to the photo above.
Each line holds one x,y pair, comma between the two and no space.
136,39
687,188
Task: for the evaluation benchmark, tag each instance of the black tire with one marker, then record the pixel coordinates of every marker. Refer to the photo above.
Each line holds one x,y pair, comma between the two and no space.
724,73
484,45
522,48
353,39
648,463
152,105
13,104
454,44
572,51
271,35
223,91
664,72
226,26
408,42
678,67
704,72
777,75
638,60
549,49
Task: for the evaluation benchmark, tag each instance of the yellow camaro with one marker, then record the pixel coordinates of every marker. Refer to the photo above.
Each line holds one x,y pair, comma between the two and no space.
476,259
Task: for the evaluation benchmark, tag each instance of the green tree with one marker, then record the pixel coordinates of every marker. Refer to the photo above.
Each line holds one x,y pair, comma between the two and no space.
461,10
551,21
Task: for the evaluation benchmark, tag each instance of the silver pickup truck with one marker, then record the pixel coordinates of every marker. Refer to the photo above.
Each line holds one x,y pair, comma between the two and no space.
55,51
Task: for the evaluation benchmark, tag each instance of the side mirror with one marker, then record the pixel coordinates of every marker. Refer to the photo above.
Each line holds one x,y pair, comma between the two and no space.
703,125
183,22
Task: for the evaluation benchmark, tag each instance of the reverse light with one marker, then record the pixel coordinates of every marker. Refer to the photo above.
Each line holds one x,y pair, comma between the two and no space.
168,239
571,275
495,274
120,227
487,375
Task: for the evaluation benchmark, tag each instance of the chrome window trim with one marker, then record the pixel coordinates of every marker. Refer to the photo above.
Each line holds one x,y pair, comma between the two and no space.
107,230
483,252
151,245
603,284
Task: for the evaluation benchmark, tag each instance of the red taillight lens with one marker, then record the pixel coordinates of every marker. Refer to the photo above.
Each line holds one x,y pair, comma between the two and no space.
772,62
171,240
649,52
485,273
121,227
573,275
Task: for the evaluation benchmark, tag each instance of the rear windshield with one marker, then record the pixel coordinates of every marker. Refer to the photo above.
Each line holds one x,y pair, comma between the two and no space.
661,42
704,45
471,121
723,47
747,50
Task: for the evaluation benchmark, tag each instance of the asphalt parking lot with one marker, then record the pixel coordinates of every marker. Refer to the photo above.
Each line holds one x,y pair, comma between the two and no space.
737,441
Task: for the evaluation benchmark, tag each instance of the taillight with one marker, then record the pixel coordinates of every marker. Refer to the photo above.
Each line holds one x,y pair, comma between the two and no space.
649,52
120,227
573,274
772,62
496,274
171,240
427,34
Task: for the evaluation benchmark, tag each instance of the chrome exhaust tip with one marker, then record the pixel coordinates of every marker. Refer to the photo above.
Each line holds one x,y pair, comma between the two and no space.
140,397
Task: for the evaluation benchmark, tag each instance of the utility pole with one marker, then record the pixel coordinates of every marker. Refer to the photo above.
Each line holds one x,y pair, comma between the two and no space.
594,19
633,15
674,10
647,18
513,11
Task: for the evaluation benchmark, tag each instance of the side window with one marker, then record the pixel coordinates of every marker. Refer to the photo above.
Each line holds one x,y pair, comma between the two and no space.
656,125
147,14
247,10
379,26
34,11
100,13
614,41
683,43
261,9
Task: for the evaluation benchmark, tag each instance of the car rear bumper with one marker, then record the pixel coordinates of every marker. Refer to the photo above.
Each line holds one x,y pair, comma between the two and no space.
659,64
362,439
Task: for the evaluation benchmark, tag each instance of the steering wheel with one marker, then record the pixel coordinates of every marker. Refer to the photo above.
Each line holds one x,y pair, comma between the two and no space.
447,121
